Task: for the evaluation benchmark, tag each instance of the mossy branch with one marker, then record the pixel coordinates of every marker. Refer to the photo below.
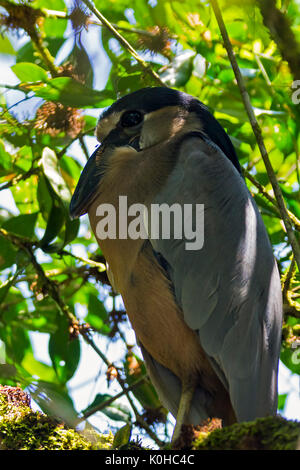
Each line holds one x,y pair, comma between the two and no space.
23,429
271,433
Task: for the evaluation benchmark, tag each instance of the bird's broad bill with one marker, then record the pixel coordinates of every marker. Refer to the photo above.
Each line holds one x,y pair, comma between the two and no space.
156,221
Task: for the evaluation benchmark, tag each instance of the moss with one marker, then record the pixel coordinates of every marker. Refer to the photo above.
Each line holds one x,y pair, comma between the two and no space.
272,433
23,429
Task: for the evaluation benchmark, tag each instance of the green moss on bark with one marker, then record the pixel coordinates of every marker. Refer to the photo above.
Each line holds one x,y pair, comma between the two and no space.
272,433
23,429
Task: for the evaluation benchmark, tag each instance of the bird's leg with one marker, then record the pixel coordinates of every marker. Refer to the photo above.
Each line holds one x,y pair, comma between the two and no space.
187,393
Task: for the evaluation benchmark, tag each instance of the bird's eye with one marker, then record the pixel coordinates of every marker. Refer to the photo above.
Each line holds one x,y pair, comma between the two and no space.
131,118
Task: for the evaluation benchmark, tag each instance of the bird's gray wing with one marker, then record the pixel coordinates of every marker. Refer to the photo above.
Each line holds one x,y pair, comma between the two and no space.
229,290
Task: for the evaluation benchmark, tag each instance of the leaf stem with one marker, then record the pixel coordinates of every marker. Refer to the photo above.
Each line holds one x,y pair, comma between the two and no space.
108,402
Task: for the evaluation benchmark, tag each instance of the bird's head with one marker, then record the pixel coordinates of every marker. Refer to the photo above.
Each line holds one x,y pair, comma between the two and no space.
142,120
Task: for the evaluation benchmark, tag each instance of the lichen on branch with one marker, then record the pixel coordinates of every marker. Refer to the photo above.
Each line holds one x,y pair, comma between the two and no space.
21,428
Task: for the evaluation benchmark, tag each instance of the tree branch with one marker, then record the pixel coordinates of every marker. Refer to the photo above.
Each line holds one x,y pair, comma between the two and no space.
100,266
273,201
20,177
257,132
33,31
145,66
108,402
61,15
44,52
280,29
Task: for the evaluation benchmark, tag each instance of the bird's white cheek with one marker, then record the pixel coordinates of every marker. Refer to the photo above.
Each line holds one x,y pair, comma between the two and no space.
144,142
150,136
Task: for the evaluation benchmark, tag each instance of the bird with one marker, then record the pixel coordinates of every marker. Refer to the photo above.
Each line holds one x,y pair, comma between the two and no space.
207,318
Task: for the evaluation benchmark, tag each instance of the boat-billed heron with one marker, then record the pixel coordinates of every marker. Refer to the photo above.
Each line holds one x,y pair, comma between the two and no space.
207,317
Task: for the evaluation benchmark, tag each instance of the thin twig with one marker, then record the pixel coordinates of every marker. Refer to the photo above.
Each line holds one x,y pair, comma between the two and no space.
257,132
288,278
271,199
62,15
44,52
65,148
100,266
108,402
145,66
20,177
83,146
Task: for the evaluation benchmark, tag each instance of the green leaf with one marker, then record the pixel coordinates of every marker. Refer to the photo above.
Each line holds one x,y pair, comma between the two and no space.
122,437
17,342
5,45
53,211
130,82
69,92
96,307
55,28
25,195
23,225
54,226
291,359
45,316
70,170
180,70
281,401
28,72
55,401
97,315
27,53
53,174
8,253
37,368
15,307
44,197
64,351
145,393
5,159
115,411
4,288
51,4
59,223
23,159
97,324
